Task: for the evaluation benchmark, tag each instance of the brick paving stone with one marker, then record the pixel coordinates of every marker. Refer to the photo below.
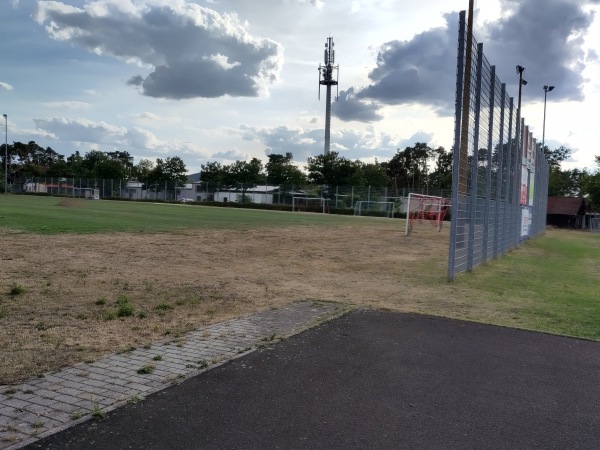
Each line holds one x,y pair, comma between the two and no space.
64,407
63,398
71,391
42,402
113,380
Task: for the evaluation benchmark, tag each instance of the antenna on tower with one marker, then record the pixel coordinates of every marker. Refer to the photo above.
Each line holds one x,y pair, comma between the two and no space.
326,78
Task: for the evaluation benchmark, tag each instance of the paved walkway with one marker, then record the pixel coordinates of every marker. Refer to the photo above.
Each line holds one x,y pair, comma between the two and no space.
44,406
372,380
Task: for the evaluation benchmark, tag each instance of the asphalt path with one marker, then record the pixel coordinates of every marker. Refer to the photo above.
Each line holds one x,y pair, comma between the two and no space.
374,380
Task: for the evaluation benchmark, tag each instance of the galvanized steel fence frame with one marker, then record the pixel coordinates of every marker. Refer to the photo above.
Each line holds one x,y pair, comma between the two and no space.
499,173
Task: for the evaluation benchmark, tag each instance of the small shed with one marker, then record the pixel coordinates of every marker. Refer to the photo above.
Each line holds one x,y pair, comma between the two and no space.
566,212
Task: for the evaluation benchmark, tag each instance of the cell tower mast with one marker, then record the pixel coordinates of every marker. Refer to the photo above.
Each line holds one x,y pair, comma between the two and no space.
326,78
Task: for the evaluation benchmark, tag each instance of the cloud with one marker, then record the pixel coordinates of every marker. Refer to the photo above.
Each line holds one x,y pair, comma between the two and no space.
6,86
68,105
421,70
231,155
348,107
81,130
317,3
546,37
101,133
136,80
350,143
146,116
191,51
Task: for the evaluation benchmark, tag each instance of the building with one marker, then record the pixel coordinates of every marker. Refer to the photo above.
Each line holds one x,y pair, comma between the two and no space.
566,212
256,194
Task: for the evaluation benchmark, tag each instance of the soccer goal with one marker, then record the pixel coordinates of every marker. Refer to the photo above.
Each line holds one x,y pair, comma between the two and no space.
313,204
380,209
425,208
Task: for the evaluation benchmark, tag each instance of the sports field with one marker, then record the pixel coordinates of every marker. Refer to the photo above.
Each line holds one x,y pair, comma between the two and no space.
83,278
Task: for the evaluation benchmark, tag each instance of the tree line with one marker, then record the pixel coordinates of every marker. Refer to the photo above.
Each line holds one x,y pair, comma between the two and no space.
419,167
31,160
416,167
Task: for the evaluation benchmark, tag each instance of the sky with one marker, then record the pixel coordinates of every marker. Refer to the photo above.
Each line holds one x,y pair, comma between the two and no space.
218,80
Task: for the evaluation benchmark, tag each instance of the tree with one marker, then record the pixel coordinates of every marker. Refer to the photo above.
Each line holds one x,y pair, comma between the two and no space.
374,174
280,170
168,174
212,172
142,170
441,177
77,166
592,186
243,175
556,156
171,169
333,170
408,168
31,159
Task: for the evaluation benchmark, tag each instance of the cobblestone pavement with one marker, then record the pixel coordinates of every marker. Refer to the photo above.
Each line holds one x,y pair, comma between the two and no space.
44,406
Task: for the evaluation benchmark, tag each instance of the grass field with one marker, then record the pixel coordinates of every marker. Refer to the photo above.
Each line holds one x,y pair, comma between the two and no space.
55,215
80,278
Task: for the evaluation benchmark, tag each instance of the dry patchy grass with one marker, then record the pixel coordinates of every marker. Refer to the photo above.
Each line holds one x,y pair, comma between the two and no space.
74,285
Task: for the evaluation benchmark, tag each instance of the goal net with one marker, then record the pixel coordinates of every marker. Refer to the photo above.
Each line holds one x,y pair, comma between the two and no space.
425,208
379,209
311,204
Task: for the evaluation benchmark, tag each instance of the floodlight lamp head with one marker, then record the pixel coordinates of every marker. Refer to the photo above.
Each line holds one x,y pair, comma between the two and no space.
520,69
523,82
550,88
5,116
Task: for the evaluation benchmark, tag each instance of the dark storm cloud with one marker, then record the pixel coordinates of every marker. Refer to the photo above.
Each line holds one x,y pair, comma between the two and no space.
136,80
191,51
349,108
417,71
546,37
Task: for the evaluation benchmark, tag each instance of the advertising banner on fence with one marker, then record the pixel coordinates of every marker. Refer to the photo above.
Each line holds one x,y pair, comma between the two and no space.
524,182
525,221
531,188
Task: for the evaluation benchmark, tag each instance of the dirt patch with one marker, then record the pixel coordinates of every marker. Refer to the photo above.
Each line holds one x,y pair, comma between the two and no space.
70,203
74,284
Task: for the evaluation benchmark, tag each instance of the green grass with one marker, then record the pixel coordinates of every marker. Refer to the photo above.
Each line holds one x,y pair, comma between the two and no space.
45,215
550,284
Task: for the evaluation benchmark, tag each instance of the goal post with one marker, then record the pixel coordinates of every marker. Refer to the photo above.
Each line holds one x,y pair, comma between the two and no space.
425,208
369,208
297,202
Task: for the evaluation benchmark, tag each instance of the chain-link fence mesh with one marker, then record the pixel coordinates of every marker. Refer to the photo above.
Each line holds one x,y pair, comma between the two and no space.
338,197
500,175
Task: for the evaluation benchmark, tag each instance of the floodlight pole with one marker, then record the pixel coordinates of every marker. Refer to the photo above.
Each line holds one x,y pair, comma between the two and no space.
5,153
546,90
522,82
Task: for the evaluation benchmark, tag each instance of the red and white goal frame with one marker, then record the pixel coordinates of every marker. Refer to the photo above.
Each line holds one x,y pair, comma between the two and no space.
425,208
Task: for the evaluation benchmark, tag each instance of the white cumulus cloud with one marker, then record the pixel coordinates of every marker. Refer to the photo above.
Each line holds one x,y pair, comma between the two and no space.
190,51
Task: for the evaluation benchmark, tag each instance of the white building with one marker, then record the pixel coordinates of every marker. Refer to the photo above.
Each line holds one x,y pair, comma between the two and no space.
257,194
